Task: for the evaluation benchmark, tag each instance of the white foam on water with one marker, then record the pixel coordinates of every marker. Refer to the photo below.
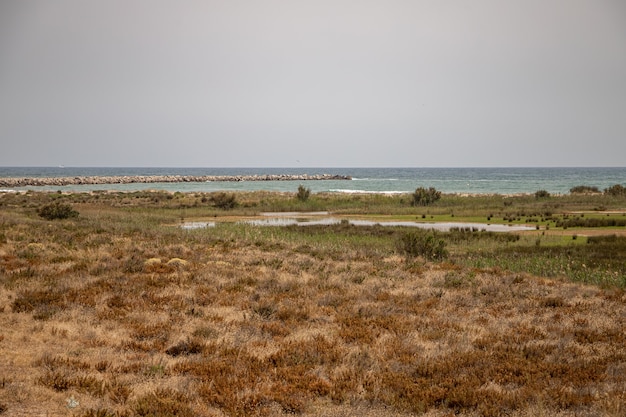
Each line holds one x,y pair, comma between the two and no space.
344,191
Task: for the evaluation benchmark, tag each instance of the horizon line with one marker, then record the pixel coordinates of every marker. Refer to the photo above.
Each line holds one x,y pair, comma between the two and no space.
312,167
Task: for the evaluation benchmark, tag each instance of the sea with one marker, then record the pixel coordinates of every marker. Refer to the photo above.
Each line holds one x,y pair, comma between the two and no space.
364,180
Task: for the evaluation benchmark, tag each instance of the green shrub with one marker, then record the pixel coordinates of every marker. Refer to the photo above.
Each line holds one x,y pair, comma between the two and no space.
584,189
224,201
542,194
424,197
57,210
615,190
303,193
428,245
591,222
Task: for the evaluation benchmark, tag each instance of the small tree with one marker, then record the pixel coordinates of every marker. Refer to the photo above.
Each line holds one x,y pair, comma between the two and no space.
424,197
57,210
303,193
541,194
615,190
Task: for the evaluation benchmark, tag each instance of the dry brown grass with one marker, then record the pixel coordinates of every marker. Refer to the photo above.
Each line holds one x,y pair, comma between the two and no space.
96,326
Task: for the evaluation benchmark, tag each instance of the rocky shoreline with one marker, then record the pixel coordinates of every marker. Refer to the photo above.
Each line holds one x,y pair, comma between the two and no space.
60,181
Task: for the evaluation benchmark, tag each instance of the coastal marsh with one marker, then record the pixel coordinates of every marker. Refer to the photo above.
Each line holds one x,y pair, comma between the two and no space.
121,312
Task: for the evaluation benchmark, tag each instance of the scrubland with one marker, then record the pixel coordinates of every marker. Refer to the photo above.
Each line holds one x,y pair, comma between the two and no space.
120,312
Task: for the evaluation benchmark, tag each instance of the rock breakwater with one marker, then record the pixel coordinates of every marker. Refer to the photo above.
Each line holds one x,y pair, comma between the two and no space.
61,181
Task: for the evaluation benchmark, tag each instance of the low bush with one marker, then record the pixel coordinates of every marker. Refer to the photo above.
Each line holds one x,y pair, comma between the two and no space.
424,197
224,201
615,190
542,194
428,245
591,222
584,189
57,210
42,303
466,234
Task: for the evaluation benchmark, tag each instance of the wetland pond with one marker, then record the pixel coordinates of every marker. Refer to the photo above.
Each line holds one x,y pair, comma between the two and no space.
324,219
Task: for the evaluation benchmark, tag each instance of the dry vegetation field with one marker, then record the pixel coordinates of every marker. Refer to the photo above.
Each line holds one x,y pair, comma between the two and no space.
120,312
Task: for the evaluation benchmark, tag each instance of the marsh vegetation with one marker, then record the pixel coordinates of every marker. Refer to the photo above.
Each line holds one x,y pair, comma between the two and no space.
120,312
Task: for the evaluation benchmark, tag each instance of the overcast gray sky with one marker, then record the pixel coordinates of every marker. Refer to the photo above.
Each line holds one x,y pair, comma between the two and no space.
319,83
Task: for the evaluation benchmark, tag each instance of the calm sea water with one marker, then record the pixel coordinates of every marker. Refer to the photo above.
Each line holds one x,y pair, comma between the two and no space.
374,180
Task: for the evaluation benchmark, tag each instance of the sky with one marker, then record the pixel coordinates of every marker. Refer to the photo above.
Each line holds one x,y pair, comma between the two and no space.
320,83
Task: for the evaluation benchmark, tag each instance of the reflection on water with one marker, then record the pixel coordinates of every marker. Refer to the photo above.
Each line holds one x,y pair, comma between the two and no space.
288,221
294,213
301,219
197,225
440,226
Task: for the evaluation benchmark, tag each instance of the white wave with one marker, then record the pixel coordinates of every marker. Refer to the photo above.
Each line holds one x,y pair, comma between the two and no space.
375,179
365,191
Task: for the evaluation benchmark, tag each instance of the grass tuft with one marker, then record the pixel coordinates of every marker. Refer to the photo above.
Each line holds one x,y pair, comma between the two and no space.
187,347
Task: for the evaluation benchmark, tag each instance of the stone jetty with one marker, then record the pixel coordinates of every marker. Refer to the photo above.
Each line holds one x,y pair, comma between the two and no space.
60,181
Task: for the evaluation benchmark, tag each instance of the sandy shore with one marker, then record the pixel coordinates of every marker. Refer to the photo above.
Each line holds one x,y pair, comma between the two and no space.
57,181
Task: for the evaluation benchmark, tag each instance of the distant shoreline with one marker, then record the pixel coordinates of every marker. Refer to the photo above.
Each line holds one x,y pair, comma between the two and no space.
363,180
145,179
